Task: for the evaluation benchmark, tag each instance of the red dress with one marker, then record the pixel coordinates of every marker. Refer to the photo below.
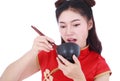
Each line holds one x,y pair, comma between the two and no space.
93,65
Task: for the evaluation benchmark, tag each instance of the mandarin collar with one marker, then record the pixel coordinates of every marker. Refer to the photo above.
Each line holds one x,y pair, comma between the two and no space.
84,51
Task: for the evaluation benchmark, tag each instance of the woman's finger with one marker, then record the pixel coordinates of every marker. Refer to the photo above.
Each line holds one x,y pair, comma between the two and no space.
75,59
65,62
60,64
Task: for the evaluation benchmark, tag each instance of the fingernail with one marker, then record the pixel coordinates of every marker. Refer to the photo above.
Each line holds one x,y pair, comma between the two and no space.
59,55
74,56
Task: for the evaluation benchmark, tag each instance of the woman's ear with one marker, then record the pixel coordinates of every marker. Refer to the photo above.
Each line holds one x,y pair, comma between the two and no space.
90,24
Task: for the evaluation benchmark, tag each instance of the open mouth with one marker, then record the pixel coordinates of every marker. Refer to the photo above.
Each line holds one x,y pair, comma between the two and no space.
71,40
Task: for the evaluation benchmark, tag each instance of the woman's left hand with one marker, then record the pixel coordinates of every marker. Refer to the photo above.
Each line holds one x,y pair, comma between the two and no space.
71,70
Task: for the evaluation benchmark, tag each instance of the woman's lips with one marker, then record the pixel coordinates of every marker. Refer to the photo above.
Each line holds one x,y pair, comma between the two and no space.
71,40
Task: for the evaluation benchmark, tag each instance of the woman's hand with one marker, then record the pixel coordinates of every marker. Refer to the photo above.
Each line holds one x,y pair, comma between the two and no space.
41,43
71,70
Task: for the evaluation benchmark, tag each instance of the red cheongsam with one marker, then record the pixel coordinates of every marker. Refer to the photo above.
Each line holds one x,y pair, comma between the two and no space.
93,65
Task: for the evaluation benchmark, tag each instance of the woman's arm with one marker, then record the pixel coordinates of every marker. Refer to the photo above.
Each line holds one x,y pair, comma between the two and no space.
104,77
27,64
22,68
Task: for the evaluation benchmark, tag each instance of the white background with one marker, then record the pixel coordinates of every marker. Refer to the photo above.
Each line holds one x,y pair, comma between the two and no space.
16,35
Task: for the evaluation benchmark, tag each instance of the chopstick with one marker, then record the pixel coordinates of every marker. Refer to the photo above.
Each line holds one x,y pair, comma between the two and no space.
40,33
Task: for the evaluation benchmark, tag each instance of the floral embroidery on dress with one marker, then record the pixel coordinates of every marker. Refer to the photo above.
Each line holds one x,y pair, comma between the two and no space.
47,75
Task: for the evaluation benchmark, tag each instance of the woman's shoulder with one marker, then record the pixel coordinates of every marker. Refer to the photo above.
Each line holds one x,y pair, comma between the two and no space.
102,66
98,56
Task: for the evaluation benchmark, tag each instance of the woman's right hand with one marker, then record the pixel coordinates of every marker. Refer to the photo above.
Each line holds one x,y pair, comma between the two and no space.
41,43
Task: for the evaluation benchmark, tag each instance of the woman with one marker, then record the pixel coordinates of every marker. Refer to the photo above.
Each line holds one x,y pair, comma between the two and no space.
76,24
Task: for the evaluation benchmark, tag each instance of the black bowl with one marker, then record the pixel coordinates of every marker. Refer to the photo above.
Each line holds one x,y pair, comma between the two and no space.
67,50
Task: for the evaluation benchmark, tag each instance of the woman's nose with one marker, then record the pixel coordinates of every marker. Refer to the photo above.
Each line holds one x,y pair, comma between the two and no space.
68,30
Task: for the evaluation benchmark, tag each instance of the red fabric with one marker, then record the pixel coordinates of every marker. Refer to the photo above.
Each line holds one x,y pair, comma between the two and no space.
92,64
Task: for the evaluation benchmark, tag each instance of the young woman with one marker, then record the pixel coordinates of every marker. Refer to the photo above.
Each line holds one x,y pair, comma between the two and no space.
76,24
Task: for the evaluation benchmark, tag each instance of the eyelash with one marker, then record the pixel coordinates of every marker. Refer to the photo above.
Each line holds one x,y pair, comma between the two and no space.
62,26
75,25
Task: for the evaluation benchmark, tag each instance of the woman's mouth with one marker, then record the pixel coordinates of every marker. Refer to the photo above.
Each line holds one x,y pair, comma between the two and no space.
71,40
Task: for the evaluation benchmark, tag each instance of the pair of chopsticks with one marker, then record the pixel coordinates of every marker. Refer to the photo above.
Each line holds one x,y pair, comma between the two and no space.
40,33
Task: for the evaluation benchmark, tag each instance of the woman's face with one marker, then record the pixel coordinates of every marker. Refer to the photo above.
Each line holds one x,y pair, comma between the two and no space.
74,27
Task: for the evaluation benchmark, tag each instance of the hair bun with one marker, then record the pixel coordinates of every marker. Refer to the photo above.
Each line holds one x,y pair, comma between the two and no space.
91,3
58,3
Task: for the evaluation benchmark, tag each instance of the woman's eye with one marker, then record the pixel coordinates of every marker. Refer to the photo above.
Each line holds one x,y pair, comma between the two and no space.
62,26
76,25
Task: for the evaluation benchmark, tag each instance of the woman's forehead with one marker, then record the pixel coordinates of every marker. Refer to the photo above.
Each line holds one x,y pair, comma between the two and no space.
70,15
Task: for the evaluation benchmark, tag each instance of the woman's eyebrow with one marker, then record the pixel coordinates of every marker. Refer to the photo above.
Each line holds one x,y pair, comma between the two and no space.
75,20
71,21
62,22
